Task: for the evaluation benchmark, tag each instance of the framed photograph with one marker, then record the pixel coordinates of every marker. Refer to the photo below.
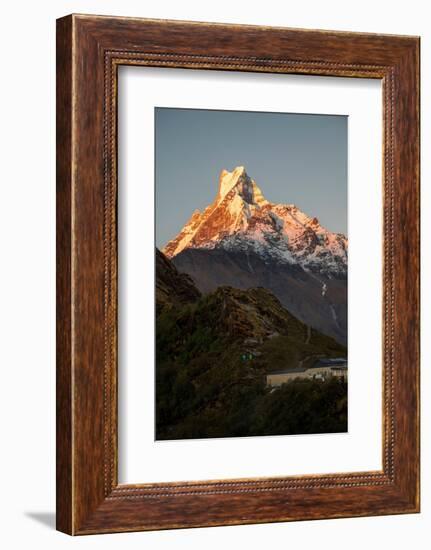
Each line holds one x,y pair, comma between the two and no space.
237,274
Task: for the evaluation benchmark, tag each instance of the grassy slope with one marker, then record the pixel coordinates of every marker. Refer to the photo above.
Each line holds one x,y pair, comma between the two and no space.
205,387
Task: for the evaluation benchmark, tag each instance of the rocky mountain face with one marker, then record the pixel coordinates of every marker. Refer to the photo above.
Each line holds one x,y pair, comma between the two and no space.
245,241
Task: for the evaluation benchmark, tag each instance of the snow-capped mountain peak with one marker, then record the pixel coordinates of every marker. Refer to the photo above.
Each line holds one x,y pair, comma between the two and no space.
239,182
228,180
241,219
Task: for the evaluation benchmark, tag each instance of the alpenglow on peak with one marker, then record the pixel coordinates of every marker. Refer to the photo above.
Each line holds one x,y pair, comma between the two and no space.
239,180
241,219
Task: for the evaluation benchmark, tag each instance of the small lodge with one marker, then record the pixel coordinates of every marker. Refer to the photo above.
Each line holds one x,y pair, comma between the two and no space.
322,369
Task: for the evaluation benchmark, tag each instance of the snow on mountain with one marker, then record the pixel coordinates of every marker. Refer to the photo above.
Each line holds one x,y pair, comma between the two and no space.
241,219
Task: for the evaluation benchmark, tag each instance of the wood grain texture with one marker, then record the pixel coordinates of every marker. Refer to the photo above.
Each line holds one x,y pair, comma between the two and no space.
90,49
64,497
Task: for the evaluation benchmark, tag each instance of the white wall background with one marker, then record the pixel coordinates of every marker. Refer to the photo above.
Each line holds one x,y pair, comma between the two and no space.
27,280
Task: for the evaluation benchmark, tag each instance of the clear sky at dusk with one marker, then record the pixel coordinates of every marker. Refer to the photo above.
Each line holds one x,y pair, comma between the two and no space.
294,159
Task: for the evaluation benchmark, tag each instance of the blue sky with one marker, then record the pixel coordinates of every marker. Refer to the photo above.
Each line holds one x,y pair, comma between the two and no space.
294,158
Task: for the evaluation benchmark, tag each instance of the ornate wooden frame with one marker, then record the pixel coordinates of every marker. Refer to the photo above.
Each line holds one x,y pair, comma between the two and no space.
89,51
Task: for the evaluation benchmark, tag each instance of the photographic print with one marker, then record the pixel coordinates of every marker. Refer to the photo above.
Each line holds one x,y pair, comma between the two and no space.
251,273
